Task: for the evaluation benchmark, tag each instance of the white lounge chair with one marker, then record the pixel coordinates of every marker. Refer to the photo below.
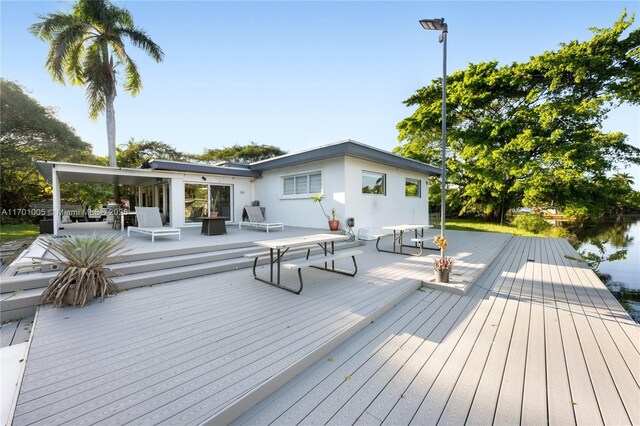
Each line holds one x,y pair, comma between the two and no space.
150,223
256,219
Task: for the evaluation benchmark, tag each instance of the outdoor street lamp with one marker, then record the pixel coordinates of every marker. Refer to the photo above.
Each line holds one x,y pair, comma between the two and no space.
439,25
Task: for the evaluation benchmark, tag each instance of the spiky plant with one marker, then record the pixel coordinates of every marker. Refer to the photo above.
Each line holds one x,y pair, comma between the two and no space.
84,274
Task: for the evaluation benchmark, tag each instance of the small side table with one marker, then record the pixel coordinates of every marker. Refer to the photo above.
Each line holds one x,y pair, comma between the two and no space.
213,225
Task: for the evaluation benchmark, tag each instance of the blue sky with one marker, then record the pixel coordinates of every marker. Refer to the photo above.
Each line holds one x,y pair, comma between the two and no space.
297,74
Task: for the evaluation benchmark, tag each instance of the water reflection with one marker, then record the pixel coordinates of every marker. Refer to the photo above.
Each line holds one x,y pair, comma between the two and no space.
621,232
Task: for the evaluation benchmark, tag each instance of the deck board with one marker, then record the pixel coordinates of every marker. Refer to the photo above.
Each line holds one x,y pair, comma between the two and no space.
559,399
532,342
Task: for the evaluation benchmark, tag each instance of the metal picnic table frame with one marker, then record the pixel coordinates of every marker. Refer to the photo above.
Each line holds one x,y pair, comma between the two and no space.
279,247
398,235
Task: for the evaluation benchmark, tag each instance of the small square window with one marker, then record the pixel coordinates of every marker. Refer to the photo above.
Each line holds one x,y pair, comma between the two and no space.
374,183
412,187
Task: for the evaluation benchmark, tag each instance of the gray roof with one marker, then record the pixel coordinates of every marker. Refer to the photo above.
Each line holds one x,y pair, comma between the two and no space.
179,166
349,148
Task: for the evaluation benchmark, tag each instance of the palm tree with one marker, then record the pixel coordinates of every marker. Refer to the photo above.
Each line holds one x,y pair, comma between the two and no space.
83,44
624,178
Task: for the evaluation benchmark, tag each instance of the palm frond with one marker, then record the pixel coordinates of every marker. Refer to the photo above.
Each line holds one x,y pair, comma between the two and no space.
98,82
93,11
133,82
140,39
51,24
61,45
73,63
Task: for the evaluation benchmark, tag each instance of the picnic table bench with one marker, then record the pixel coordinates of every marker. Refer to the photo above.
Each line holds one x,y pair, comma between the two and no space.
324,261
397,232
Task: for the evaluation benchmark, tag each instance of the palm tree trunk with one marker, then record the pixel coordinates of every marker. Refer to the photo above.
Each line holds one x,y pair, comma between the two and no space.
111,138
111,128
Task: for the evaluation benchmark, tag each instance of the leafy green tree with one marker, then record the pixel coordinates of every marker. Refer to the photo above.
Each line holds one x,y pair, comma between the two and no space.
83,44
531,133
135,154
30,131
241,153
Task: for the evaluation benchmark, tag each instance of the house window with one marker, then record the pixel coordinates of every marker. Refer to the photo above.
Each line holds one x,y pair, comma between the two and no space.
302,185
412,187
374,183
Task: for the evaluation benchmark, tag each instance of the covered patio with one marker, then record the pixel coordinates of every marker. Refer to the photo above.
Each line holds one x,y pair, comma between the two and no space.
183,197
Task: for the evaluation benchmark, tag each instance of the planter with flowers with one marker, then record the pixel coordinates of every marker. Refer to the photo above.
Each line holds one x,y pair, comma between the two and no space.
443,265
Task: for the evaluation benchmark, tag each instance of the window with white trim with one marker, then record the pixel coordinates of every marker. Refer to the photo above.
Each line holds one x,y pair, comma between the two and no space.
302,185
412,187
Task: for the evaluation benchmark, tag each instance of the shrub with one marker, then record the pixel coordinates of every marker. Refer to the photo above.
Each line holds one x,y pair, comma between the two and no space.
558,232
530,223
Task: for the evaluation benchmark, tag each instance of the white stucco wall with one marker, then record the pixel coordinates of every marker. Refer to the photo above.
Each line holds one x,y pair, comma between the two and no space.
302,211
342,188
394,208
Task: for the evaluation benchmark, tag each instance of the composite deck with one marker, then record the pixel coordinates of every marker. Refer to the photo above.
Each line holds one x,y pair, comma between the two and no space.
539,339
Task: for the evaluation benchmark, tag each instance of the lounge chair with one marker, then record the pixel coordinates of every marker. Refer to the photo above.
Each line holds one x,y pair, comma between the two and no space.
256,219
150,223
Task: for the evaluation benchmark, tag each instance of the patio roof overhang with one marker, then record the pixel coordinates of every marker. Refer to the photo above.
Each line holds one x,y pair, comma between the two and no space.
89,173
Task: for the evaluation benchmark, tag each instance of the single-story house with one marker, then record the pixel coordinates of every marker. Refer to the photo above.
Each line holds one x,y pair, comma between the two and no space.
371,185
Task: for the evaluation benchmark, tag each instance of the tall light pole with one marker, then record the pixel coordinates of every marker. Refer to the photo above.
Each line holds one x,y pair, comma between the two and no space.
439,25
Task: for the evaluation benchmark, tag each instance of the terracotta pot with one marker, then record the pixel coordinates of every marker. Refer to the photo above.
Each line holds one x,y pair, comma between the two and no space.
214,214
442,275
334,225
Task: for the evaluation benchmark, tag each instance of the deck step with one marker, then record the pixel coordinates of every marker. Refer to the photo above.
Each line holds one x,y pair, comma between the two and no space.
127,267
243,402
20,303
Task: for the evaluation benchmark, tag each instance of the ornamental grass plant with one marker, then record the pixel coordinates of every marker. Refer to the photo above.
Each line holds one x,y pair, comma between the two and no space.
84,275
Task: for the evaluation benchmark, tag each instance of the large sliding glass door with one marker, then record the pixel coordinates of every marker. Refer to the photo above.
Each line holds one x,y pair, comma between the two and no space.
201,199
220,197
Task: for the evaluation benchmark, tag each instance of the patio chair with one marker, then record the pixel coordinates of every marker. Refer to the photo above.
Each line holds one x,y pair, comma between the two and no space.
150,223
256,219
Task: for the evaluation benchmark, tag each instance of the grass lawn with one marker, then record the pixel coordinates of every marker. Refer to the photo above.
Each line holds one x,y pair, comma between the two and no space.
18,232
479,225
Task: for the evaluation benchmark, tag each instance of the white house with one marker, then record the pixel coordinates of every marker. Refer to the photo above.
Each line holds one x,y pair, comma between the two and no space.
373,186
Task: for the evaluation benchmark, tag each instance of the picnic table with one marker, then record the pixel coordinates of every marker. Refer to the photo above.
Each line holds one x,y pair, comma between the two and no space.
325,260
398,232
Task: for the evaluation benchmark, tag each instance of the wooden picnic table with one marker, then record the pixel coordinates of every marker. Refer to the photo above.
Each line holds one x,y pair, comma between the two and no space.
398,239
281,246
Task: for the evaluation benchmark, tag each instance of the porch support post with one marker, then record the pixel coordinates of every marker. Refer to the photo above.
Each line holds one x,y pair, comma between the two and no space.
176,204
165,197
426,197
55,186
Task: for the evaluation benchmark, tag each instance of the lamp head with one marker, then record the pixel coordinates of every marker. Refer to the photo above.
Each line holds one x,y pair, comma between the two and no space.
434,24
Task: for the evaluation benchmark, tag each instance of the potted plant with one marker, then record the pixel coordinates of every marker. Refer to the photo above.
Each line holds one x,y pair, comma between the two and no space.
334,224
214,212
443,264
84,275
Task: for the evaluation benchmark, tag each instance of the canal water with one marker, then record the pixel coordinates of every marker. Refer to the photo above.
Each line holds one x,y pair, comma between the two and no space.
621,233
